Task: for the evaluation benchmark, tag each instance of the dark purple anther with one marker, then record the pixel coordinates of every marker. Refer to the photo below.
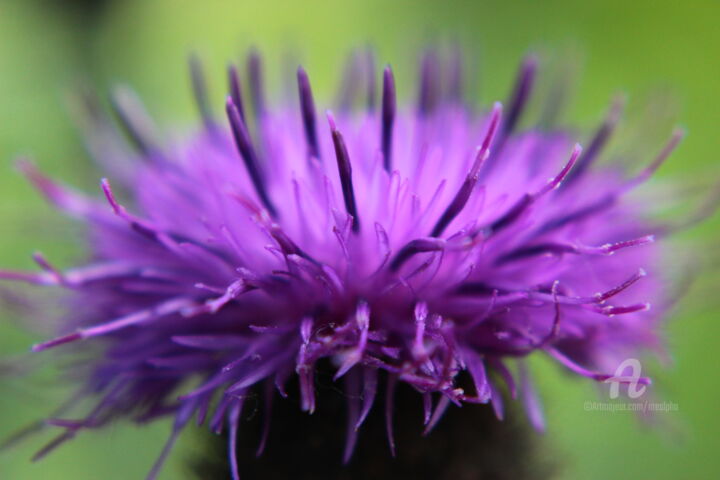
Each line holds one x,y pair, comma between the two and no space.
429,83
598,141
529,198
247,152
307,107
516,105
521,94
677,135
287,245
463,195
134,120
257,91
345,172
236,90
419,245
389,109
200,91
69,338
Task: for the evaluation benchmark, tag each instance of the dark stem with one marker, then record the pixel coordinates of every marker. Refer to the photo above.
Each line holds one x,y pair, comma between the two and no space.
468,443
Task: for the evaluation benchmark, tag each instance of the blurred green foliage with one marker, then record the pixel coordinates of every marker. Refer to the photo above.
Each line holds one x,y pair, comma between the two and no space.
46,48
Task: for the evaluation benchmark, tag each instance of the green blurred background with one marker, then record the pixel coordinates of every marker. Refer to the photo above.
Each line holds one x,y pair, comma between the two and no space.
644,48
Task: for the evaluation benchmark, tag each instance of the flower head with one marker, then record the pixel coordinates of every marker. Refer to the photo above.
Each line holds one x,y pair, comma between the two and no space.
401,244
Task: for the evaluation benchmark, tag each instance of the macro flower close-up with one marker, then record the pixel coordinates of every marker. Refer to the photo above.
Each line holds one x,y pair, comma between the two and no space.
355,287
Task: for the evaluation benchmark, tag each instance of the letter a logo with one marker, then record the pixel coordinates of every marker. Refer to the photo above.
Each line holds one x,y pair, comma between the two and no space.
634,389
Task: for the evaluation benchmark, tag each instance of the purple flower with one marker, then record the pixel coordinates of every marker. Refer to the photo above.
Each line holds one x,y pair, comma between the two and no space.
401,244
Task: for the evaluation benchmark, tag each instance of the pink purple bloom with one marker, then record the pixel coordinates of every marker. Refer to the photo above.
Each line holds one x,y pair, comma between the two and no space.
427,244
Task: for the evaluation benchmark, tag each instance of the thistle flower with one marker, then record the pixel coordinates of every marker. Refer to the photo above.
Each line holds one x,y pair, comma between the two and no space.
426,245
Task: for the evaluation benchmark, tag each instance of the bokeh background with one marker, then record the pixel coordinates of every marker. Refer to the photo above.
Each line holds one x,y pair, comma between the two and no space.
664,54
